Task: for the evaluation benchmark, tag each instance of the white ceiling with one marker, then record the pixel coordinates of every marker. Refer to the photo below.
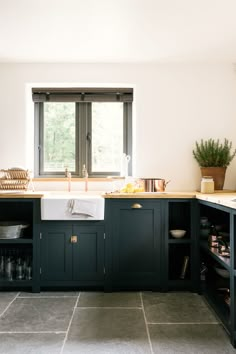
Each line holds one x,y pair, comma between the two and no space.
102,31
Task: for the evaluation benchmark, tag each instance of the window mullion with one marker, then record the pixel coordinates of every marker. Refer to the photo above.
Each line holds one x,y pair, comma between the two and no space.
127,133
77,138
88,145
82,140
41,138
37,138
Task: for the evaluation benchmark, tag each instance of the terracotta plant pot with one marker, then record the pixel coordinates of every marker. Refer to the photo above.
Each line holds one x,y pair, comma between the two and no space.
218,174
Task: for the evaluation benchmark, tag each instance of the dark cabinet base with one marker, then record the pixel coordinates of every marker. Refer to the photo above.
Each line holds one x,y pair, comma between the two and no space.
133,244
72,254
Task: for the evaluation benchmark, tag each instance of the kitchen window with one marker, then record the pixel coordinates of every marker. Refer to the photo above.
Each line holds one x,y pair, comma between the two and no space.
82,126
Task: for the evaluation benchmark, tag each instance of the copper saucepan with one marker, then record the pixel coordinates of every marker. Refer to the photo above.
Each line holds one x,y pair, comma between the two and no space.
154,184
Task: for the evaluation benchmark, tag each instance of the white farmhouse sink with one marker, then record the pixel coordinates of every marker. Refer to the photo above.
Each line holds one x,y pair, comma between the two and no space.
72,206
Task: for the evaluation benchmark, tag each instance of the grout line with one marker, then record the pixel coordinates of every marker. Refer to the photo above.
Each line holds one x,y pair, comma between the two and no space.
48,297
67,332
9,305
109,307
212,311
183,323
32,332
146,324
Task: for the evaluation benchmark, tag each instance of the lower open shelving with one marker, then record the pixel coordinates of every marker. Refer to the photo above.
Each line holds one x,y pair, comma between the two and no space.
179,262
213,252
215,287
218,305
4,283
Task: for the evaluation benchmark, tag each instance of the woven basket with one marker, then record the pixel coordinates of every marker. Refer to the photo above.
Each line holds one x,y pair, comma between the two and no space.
14,179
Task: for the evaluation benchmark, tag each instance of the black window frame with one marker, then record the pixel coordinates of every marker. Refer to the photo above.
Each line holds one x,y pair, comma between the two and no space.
83,126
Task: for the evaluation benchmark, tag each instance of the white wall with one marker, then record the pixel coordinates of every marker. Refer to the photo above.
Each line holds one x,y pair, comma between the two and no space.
175,104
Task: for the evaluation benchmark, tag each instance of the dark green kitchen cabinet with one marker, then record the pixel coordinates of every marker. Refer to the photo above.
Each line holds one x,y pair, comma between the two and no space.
133,243
71,254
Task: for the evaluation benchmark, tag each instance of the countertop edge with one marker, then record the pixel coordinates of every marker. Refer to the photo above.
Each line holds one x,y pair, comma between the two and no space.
167,195
21,195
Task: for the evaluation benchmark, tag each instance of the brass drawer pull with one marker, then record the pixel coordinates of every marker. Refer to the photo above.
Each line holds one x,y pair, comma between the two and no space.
74,239
136,206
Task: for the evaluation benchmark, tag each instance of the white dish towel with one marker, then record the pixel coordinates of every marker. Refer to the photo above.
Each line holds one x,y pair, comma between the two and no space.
82,207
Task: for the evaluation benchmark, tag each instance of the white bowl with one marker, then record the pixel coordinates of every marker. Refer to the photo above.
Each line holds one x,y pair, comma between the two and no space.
177,233
224,273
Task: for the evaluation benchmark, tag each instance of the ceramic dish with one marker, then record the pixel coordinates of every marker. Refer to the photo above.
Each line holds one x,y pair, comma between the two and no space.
177,233
224,273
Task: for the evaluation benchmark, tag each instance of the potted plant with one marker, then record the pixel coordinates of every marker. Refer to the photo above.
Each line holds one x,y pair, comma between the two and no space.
213,158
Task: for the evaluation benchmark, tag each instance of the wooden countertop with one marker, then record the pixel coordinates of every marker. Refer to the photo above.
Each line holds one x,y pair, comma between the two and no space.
20,194
220,197
154,195
224,197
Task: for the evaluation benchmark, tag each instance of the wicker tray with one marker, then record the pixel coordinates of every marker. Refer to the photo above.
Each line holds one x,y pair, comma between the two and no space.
14,179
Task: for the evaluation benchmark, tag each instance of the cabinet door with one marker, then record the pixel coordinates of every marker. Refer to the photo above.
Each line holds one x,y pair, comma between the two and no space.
56,252
136,243
88,253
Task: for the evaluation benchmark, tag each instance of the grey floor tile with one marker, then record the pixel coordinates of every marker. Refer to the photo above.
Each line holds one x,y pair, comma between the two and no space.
120,299
5,299
38,314
50,294
33,343
107,331
176,307
191,339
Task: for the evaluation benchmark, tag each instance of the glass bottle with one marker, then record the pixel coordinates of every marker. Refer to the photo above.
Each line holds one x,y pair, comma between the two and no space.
9,268
213,238
2,264
19,269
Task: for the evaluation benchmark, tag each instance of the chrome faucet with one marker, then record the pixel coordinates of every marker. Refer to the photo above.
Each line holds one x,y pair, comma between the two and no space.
68,176
85,176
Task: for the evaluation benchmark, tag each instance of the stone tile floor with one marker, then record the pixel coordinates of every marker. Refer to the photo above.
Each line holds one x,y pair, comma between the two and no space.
109,323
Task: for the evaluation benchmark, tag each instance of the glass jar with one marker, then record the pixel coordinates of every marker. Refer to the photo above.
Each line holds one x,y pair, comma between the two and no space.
207,184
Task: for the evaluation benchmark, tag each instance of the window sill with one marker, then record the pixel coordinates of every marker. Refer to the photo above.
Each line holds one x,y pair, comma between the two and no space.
74,179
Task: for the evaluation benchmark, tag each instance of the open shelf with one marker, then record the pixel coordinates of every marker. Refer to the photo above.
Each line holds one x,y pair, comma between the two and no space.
180,284
180,257
224,261
15,283
180,218
213,283
216,301
177,253
180,241
16,241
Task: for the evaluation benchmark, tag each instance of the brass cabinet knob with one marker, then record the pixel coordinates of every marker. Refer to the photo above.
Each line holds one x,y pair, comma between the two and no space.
136,206
74,239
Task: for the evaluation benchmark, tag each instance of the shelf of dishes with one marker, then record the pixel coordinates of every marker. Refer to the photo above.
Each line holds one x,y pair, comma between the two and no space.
214,252
208,227
216,280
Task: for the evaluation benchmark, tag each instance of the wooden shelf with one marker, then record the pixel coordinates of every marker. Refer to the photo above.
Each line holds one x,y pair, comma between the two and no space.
16,241
179,241
224,261
15,283
179,283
